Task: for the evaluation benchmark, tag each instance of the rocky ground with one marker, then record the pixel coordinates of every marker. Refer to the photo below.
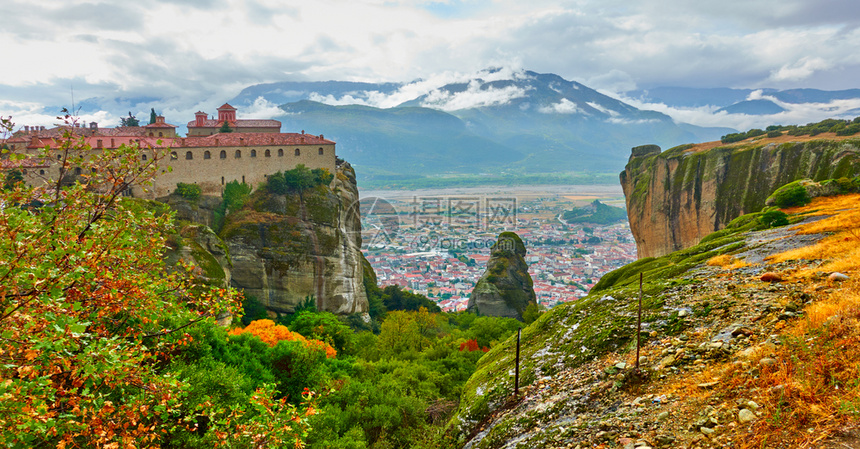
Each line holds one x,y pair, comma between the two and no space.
724,324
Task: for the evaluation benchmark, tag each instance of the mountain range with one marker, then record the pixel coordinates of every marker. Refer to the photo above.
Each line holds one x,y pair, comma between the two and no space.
524,123
745,101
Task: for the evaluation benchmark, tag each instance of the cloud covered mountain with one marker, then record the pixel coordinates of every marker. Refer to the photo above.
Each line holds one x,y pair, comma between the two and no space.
498,120
744,109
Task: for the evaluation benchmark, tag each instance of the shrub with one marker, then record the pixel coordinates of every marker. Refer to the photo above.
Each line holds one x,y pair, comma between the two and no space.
271,334
791,196
774,133
298,179
190,192
325,326
849,130
774,218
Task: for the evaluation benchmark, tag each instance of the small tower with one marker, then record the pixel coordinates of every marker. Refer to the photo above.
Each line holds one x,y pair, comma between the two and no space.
200,118
226,113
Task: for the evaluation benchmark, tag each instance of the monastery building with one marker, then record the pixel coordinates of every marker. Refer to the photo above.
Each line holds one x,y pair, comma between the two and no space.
253,150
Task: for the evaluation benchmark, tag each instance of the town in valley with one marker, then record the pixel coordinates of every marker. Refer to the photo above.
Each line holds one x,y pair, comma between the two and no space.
437,243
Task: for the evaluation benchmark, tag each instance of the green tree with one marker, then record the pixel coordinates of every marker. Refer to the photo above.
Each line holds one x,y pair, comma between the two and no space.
190,192
234,196
325,326
152,116
129,121
225,128
13,177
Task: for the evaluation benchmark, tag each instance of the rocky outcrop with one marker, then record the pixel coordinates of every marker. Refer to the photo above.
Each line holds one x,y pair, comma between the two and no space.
285,248
200,210
506,288
676,197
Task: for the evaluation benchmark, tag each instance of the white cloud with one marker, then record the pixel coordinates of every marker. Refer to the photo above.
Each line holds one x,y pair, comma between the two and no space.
793,113
603,109
475,96
564,106
261,109
800,70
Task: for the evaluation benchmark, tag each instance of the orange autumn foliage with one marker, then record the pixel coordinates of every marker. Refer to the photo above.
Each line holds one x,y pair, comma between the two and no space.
272,333
472,345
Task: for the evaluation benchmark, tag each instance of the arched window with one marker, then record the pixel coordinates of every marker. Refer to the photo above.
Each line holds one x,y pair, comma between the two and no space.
253,153
143,157
41,172
173,156
150,134
280,152
268,153
320,151
160,134
189,155
223,155
222,180
207,155
77,170
243,179
24,172
298,152
59,156
238,154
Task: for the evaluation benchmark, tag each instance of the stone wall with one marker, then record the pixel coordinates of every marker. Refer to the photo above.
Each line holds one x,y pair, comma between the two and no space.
248,164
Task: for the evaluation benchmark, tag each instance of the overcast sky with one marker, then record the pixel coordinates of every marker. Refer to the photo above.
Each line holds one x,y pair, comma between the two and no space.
196,54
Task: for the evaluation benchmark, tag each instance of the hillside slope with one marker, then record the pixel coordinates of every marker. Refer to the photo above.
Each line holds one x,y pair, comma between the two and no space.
727,360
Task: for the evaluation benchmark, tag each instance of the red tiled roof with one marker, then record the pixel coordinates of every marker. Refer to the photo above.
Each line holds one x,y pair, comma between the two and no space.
160,125
226,106
251,139
223,140
238,123
6,164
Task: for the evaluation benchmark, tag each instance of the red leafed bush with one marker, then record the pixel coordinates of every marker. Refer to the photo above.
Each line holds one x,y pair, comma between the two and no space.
472,345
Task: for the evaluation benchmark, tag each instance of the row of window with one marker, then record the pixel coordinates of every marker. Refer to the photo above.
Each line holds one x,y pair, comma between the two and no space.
208,155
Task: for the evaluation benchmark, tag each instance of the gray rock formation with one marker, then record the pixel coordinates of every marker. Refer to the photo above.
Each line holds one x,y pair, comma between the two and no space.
285,248
506,288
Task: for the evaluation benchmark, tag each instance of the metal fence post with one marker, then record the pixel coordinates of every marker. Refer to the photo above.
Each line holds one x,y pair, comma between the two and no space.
517,368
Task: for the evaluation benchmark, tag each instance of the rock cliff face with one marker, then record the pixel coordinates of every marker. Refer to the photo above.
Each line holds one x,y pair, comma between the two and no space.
285,248
676,197
506,288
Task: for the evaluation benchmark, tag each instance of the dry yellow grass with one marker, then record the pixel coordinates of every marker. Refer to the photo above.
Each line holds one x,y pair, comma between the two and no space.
727,262
841,249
